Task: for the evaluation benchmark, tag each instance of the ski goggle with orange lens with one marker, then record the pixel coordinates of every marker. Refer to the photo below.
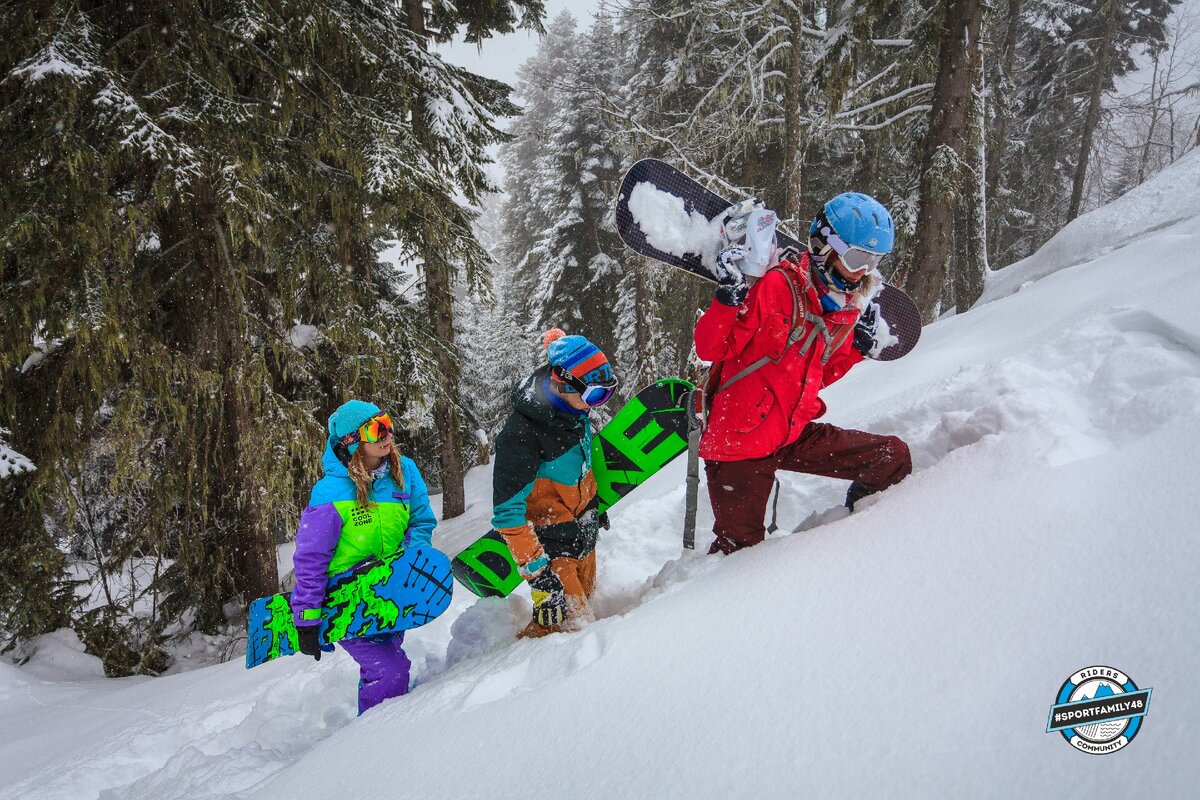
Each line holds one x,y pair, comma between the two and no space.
376,429
594,394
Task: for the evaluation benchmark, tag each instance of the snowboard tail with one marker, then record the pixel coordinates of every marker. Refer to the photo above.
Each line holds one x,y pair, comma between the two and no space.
404,590
487,567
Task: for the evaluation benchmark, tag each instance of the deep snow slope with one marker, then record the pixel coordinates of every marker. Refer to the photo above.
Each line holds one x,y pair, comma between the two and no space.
912,649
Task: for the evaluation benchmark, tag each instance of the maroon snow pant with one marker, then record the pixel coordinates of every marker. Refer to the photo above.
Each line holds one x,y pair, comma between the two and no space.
739,490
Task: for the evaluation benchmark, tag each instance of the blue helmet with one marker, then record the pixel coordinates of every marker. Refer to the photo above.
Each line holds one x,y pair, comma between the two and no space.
860,221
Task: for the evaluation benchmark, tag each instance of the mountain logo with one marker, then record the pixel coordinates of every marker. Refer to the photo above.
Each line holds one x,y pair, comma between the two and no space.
1099,710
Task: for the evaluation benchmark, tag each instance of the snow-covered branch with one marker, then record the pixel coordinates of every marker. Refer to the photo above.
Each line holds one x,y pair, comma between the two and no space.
70,53
871,81
922,109
923,87
12,462
1192,87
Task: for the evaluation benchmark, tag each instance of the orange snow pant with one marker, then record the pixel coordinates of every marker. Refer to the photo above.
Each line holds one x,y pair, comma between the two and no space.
578,576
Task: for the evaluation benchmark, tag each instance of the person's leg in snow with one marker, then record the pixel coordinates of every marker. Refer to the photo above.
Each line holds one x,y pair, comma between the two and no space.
578,576
871,462
739,490
383,668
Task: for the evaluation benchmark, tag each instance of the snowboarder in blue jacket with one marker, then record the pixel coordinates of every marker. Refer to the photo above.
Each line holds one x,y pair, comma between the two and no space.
370,501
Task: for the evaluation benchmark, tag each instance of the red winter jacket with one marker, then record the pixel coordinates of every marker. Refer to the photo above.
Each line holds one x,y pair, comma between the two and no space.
768,408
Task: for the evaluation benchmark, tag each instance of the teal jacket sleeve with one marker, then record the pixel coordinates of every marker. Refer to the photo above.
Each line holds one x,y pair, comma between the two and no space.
421,521
518,456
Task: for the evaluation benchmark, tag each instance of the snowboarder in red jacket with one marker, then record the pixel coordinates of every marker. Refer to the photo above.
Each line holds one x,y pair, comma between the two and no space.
801,327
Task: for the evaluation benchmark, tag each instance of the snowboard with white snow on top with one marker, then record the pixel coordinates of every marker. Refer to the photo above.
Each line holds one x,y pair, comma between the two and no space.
667,216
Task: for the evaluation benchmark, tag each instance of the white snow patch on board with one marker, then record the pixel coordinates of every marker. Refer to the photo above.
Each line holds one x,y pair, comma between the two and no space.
669,227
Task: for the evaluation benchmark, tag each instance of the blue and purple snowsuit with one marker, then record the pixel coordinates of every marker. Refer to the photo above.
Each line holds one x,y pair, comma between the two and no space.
336,533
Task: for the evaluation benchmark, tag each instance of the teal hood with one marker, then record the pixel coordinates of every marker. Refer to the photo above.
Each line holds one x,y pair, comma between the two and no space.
330,465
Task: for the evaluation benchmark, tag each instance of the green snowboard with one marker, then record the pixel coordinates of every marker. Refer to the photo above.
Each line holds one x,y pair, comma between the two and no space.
645,435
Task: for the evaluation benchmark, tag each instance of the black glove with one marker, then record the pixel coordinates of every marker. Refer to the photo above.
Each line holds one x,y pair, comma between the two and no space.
731,283
549,598
866,328
308,641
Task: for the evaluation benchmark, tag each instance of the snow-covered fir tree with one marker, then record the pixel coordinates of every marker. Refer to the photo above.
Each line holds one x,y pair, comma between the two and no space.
569,266
494,353
1072,53
195,197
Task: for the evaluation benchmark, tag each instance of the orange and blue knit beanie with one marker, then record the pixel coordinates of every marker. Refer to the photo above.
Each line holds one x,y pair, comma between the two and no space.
578,356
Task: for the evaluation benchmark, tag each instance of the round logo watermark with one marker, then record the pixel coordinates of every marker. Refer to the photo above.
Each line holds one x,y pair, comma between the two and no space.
1099,710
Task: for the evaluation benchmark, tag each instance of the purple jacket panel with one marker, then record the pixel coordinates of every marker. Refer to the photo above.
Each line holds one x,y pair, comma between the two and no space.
317,538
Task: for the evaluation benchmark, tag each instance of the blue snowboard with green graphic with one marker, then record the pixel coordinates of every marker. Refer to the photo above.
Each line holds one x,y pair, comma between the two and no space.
646,434
404,590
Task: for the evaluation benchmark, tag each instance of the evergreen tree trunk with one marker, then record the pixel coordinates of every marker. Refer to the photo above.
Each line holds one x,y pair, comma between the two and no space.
793,173
1154,115
940,185
251,551
1099,78
646,344
439,302
1002,102
971,261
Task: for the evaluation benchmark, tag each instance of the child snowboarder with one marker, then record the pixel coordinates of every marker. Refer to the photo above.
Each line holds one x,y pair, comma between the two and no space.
370,501
543,491
775,346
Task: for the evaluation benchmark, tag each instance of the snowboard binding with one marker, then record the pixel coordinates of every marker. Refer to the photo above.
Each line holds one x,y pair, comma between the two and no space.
733,221
751,225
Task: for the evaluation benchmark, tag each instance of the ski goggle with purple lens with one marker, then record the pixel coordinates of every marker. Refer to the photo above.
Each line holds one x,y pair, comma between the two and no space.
853,257
594,394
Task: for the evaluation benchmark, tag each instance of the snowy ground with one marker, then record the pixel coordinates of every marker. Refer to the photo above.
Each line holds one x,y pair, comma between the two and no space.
912,649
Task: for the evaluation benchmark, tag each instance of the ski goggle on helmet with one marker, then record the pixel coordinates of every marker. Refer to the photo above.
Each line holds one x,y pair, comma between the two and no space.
856,227
376,429
594,394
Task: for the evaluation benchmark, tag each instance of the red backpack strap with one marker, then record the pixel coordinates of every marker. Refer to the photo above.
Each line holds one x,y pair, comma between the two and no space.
834,338
793,335
840,334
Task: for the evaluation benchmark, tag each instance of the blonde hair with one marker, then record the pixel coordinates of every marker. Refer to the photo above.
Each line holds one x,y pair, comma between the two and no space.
363,480
866,290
